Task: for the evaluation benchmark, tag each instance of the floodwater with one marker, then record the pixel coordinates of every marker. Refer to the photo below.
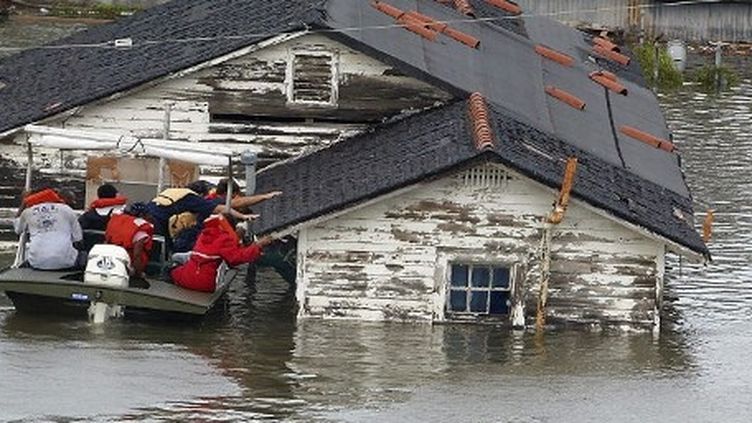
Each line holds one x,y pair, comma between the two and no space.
257,363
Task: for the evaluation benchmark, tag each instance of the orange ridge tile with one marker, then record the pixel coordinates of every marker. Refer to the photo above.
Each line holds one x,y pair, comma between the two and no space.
450,32
607,44
506,6
566,97
611,55
608,81
464,7
479,117
650,139
554,55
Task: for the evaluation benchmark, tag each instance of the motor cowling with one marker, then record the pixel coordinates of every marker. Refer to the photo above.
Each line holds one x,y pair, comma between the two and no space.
107,265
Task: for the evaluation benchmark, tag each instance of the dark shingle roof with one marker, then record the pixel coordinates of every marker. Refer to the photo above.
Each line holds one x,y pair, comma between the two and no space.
435,142
630,179
38,79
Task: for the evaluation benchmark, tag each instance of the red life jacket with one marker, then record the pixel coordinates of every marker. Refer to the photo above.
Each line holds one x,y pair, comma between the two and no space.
44,196
216,243
121,229
108,202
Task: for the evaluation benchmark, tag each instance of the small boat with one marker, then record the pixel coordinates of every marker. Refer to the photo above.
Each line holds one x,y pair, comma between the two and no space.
104,290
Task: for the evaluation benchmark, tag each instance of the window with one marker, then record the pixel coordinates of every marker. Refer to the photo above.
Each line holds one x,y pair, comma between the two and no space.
312,78
479,290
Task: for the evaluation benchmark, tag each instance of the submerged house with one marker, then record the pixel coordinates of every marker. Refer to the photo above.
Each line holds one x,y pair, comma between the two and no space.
452,161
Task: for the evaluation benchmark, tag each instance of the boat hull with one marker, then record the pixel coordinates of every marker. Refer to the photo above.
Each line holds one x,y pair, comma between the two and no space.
46,292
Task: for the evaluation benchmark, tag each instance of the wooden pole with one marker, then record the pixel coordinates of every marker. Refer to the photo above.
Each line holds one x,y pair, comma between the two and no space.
29,165
545,274
165,136
228,198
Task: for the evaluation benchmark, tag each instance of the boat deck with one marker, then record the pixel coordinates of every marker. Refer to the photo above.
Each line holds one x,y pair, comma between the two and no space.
149,294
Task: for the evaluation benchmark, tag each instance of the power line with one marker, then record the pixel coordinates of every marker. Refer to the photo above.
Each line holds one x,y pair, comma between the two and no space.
111,43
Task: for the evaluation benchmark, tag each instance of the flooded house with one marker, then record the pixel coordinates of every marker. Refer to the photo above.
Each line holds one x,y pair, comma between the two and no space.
440,161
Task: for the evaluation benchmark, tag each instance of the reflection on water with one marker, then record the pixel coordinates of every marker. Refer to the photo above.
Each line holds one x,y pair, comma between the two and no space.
712,133
257,363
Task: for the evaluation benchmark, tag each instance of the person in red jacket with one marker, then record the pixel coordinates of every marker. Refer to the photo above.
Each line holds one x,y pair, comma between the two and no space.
132,231
216,243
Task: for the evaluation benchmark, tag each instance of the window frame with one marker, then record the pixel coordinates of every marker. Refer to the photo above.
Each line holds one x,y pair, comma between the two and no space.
467,315
290,77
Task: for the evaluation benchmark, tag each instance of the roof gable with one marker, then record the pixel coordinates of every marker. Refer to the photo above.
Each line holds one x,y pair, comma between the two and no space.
438,141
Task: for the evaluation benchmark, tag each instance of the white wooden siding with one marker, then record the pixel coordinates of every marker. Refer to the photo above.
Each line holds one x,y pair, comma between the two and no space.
389,260
255,86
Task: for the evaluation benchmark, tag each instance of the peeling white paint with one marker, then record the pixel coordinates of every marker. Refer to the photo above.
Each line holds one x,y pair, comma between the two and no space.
395,253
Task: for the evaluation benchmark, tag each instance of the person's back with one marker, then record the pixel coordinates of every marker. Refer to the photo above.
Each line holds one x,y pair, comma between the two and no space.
131,230
53,228
98,214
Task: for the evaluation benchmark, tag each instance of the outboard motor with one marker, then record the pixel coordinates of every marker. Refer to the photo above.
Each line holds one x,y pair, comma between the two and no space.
107,265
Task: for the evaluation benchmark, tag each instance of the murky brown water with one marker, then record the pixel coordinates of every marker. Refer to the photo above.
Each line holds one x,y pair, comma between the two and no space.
257,363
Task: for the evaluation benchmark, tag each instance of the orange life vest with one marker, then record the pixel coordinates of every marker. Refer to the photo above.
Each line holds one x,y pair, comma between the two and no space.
108,202
123,227
44,196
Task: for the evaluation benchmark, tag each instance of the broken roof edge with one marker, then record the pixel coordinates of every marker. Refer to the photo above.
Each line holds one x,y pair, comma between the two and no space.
392,121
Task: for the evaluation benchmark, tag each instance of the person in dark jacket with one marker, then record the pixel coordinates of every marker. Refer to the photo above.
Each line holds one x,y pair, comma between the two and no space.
98,214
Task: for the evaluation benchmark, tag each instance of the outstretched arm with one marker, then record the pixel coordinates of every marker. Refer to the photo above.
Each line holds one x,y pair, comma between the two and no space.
243,202
234,213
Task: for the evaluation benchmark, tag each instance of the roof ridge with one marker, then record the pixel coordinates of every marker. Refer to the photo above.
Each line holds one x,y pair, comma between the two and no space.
483,133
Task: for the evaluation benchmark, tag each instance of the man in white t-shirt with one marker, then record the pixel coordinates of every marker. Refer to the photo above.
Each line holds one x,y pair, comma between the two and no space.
53,228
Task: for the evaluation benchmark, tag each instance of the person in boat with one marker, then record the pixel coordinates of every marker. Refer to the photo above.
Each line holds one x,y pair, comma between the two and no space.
174,201
53,230
132,230
184,227
218,242
98,214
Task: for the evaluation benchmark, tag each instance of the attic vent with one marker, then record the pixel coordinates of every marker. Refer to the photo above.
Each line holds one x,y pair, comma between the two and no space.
486,176
312,78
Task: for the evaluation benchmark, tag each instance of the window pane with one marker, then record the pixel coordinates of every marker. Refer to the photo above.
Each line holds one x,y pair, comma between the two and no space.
459,275
481,277
501,277
499,302
479,301
457,300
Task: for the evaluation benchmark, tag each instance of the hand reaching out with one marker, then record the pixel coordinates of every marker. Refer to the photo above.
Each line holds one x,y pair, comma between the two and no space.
272,194
264,241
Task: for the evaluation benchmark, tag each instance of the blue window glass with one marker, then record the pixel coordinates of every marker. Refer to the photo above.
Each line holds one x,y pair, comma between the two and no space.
459,275
500,277
458,300
499,302
479,302
481,277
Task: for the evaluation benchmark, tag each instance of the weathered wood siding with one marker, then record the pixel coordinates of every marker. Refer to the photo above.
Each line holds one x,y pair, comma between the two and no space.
244,101
711,21
389,259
